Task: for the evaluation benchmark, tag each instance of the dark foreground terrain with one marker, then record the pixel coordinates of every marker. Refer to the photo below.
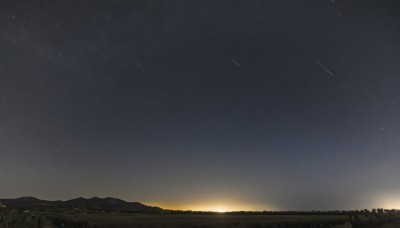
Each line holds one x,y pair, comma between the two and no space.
35,219
18,219
96,212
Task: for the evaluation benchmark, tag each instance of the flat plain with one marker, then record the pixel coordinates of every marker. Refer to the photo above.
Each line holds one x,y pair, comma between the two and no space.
220,220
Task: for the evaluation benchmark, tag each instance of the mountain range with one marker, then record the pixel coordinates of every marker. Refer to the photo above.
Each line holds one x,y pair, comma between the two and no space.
99,204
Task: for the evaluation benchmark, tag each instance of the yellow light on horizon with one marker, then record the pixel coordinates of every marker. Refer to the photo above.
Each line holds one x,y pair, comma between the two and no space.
219,207
213,208
388,201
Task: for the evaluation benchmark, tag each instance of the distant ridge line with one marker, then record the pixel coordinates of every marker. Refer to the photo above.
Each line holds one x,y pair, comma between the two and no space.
94,203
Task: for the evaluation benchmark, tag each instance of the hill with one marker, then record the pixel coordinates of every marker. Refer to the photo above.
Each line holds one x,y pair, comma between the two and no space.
97,204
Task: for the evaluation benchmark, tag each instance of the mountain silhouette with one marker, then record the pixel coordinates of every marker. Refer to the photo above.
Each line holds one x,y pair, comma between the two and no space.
29,200
100,204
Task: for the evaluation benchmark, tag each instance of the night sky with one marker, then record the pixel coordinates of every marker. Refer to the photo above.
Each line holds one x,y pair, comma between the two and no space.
202,105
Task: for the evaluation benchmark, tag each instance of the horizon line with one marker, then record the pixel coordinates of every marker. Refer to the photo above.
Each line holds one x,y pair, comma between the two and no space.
205,211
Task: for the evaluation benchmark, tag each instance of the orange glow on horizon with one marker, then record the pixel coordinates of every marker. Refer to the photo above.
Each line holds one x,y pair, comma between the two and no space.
388,200
212,206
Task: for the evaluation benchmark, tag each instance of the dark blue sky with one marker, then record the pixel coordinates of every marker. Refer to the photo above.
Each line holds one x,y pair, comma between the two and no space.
205,105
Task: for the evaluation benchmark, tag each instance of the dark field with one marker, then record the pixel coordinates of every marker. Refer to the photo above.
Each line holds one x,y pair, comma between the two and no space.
110,220
15,218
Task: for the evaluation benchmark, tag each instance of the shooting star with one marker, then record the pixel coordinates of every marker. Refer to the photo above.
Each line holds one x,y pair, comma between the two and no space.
234,62
326,69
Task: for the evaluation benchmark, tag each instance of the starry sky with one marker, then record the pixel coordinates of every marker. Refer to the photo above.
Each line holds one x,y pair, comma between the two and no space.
202,105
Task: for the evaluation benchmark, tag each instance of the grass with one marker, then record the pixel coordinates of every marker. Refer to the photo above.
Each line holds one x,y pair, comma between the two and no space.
220,220
91,219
